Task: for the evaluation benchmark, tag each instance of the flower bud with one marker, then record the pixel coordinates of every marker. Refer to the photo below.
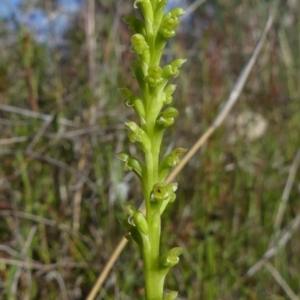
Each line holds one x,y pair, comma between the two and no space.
154,77
140,222
139,43
166,118
168,91
172,70
168,26
177,12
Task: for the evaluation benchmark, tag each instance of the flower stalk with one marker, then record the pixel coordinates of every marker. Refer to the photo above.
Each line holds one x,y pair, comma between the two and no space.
148,40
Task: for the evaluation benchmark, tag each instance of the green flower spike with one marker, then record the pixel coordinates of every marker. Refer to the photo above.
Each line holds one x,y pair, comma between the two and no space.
150,35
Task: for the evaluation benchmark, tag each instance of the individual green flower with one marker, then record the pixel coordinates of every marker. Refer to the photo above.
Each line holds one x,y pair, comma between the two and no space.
172,159
171,258
139,43
168,92
164,192
154,77
166,118
131,163
172,70
170,22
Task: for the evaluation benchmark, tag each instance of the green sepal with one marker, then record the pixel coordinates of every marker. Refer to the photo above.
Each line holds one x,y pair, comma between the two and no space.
166,118
140,222
170,161
131,163
172,70
171,296
139,43
171,258
134,24
138,135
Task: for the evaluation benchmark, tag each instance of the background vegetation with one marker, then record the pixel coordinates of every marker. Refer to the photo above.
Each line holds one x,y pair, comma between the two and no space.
62,188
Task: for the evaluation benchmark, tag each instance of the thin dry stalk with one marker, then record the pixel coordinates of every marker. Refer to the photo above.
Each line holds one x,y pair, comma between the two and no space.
40,132
18,272
33,114
89,16
281,242
281,282
44,221
234,95
79,191
287,191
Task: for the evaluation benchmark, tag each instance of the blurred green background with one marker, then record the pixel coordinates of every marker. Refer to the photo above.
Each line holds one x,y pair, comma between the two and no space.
62,188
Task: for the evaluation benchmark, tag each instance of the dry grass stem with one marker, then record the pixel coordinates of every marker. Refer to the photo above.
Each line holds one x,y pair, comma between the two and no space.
287,191
281,281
